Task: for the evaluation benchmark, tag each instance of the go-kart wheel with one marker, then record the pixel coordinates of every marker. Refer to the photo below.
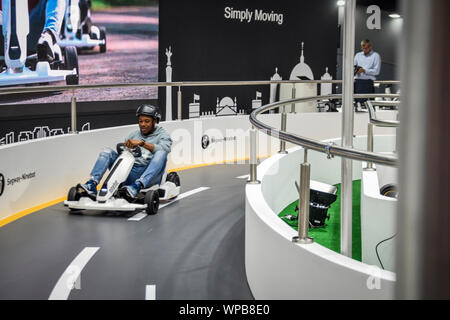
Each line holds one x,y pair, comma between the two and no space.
173,177
152,201
73,194
71,62
103,37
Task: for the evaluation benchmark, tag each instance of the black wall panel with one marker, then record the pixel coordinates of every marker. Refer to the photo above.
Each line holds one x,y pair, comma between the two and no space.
31,121
206,45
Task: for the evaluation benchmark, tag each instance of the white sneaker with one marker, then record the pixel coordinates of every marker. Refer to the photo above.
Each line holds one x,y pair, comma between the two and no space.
46,47
95,32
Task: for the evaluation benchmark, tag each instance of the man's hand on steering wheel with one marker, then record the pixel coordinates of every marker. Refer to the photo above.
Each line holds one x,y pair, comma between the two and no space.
130,143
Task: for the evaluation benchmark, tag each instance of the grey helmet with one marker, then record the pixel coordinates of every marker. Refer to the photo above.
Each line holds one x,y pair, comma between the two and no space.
149,110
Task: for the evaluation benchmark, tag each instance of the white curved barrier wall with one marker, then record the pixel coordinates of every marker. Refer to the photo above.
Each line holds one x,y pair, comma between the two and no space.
39,172
279,269
378,218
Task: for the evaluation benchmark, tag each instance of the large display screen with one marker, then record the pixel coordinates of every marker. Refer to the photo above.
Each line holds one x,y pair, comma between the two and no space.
115,42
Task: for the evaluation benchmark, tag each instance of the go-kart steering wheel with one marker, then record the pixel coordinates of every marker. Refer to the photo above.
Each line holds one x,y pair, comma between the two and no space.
136,151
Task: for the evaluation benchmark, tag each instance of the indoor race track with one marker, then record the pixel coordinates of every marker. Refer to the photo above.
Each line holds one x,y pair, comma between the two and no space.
192,249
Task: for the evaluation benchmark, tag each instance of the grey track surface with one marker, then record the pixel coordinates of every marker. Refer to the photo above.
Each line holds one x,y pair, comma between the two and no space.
192,249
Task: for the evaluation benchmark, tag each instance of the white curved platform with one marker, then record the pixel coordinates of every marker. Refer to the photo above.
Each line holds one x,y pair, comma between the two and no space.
279,269
378,218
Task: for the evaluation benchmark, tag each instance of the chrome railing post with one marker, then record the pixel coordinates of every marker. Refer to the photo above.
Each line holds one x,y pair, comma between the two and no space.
303,203
283,128
73,113
347,127
179,103
369,144
253,157
294,93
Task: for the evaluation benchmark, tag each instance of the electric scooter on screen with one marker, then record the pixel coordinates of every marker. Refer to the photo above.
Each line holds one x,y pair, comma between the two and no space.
78,30
18,68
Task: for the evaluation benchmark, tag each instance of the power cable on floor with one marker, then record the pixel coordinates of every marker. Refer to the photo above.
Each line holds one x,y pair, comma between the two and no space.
376,249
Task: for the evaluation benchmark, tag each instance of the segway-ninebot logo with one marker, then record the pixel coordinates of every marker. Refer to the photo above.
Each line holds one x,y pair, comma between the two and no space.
205,141
2,184
19,179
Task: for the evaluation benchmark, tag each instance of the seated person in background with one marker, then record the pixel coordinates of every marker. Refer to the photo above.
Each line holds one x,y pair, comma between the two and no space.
45,17
155,144
367,67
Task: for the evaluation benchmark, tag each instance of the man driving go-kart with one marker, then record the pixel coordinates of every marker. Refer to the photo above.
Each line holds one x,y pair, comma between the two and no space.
148,169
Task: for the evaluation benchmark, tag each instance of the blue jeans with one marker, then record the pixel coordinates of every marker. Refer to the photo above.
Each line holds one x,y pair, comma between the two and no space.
147,175
47,14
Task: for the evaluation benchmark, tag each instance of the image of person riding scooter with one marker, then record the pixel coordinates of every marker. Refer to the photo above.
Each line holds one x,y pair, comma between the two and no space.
45,20
78,29
31,54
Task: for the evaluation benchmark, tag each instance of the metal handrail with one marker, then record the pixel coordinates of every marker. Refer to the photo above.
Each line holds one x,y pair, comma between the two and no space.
38,89
327,148
373,121
373,117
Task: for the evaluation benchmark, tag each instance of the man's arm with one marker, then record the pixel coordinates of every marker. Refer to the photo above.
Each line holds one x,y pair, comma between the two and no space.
376,67
165,143
132,143
356,63
148,146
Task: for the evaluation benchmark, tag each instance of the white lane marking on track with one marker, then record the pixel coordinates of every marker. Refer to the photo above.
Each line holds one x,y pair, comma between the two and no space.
138,216
141,215
246,176
184,195
150,292
70,279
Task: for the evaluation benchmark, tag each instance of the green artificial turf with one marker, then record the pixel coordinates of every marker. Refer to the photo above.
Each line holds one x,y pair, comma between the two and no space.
330,235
